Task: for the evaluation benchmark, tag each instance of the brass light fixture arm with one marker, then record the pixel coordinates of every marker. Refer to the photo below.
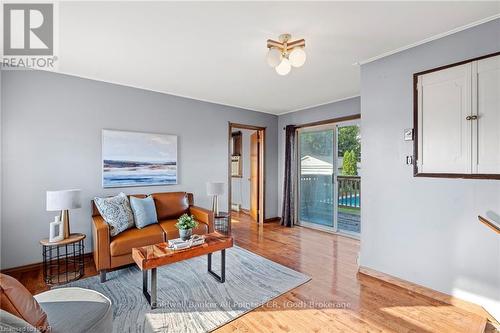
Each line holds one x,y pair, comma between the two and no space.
284,45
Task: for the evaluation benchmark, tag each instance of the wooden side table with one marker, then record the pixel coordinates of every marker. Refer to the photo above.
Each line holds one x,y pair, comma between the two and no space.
63,261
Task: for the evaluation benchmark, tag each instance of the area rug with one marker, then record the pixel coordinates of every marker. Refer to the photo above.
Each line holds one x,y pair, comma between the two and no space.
190,299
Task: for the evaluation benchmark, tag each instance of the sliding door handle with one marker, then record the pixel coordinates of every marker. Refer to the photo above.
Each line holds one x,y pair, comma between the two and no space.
471,118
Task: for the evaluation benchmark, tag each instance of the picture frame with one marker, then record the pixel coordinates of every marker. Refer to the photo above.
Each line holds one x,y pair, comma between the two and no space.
131,159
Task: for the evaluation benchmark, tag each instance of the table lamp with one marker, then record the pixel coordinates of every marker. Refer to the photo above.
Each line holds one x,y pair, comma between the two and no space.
215,189
62,201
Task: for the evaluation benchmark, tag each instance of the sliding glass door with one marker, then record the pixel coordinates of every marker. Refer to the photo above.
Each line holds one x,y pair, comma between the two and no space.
329,184
316,165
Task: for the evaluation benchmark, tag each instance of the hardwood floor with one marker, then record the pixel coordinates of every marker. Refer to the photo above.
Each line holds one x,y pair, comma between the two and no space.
337,299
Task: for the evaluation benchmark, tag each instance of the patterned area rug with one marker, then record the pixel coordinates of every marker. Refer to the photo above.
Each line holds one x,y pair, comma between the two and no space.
190,299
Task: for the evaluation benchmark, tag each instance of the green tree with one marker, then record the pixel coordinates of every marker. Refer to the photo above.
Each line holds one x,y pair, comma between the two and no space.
349,164
349,139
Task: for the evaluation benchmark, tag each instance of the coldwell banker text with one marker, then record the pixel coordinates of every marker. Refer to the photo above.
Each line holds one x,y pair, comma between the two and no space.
28,36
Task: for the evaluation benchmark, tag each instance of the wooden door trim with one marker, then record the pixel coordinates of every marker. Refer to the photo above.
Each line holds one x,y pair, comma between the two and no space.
415,126
243,126
329,121
262,171
255,174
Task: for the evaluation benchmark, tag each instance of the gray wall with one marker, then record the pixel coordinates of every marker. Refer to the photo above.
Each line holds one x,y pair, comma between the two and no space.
51,139
421,229
343,108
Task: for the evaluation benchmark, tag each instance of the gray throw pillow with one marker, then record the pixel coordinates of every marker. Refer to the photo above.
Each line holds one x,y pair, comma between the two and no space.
144,211
116,212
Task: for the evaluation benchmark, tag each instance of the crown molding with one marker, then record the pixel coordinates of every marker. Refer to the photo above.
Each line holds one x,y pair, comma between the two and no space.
318,105
427,40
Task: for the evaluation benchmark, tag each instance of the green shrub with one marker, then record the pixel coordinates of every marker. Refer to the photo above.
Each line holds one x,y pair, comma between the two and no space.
349,164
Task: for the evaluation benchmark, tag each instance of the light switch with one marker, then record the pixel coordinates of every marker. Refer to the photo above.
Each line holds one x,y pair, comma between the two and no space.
408,134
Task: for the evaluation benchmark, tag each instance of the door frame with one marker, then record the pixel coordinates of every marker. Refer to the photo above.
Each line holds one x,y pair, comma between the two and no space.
262,174
334,124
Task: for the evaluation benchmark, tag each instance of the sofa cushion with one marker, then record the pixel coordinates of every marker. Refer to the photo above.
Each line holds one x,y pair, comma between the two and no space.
77,310
17,300
170,205
125,241
144,211
172,232
116,212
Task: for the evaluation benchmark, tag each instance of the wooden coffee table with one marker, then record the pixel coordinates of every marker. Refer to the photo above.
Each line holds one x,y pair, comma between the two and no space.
153,256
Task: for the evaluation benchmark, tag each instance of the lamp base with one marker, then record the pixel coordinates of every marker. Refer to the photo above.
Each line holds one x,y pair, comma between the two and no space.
215,205
65,222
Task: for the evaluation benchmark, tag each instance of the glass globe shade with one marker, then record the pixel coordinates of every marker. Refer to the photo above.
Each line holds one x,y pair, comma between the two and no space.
284,67
273,57
297,57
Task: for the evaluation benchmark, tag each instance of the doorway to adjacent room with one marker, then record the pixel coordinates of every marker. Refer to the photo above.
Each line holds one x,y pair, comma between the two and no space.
246,172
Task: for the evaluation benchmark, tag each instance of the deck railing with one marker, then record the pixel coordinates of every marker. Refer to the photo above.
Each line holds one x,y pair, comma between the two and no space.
349,191
317,189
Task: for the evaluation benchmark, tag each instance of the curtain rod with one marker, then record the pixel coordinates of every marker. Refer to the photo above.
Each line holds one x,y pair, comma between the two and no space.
328,121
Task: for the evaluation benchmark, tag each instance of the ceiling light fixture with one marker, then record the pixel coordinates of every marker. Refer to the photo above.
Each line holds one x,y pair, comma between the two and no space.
284,54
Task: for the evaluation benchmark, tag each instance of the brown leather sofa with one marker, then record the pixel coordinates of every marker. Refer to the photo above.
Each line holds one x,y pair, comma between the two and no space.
113,252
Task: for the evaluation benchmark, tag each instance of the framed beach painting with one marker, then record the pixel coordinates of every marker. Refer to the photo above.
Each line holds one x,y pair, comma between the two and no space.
138,159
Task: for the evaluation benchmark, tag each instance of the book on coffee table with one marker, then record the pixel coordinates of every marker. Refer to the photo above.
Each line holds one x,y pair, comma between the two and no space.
179,244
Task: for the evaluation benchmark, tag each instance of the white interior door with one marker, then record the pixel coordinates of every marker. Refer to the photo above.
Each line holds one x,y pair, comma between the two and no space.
487,131
444,134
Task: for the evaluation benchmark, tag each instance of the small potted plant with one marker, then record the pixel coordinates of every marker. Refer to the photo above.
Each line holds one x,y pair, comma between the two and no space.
185,224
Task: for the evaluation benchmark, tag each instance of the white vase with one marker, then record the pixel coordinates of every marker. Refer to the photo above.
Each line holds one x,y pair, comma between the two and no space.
56,232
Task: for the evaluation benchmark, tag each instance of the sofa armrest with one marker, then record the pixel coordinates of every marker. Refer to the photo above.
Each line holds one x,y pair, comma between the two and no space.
100,235
203,215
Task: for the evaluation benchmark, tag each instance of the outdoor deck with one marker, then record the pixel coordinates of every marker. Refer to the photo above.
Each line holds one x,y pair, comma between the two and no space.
349,222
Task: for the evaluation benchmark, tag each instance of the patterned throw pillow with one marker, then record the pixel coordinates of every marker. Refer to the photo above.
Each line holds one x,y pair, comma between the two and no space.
116,212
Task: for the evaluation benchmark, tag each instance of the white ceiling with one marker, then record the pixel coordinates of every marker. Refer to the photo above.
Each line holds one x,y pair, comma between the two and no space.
215,51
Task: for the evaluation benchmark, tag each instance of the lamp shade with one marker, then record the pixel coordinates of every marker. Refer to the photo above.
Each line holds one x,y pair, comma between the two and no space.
297,57
214,188
64,199
273,57
284,67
